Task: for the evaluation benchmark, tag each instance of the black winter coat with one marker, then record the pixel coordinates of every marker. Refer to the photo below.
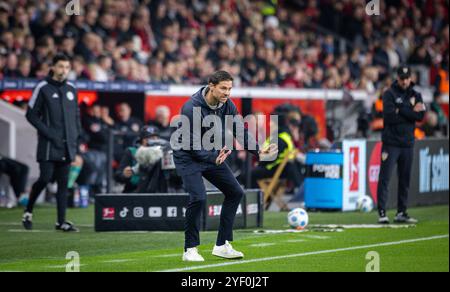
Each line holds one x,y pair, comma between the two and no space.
53,110
399,117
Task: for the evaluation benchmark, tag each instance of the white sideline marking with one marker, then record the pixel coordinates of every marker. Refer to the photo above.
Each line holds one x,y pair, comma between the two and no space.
31,231
316,236
262,244
117,261
85,225
62,266
307,254
168,255
266,232
363,226
295,240
10,224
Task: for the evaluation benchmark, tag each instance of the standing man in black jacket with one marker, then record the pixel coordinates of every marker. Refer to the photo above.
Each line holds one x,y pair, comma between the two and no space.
198,161
53,111
402,108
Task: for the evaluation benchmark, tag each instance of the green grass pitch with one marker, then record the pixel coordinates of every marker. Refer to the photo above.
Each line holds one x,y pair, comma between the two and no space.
421,248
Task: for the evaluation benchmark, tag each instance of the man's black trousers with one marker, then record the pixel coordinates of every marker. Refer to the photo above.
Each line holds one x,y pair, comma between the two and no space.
221,177
52,171
17,172
403,158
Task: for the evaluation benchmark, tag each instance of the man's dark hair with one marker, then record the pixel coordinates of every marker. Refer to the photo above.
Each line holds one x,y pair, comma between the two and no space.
219,76
60,57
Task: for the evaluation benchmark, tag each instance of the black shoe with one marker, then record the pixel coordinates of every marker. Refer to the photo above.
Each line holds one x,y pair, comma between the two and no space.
383,218
27,221
403,217
66,227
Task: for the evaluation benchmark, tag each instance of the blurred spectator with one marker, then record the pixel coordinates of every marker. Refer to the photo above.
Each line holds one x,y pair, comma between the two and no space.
24,66
96,129
176,42
106,117
11,66
162,122
97,133
127,129
442,79
441,118
102,71
430,126
79,70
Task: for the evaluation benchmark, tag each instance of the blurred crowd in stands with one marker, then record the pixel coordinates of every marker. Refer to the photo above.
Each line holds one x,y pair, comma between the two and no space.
300,44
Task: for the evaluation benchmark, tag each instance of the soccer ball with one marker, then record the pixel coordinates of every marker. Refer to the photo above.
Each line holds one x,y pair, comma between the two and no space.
364,204
298,218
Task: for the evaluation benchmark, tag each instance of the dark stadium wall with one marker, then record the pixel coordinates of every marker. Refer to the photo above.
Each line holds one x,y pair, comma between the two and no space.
429,184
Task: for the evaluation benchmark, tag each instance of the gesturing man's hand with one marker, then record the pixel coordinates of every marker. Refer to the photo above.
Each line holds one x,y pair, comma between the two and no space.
223,155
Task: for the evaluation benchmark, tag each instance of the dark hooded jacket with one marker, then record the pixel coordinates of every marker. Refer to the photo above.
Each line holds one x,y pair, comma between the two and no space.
188,160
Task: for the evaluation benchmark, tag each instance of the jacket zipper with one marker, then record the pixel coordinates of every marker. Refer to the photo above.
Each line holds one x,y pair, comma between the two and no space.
48,141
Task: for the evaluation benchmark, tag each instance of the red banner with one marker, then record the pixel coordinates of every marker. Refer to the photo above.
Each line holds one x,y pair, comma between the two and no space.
174,103
88,97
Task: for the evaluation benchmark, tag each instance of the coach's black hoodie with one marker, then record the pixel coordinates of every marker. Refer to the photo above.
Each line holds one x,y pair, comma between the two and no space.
399,115
192,161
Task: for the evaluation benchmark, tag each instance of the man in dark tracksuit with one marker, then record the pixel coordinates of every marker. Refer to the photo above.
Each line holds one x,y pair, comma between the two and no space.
197,162
402,108
53,111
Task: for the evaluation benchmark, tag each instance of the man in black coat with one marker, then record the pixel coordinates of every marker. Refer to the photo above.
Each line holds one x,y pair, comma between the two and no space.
53,111
402,108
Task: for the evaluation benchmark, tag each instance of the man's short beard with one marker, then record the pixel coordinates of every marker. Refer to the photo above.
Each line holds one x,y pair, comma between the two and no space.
60,76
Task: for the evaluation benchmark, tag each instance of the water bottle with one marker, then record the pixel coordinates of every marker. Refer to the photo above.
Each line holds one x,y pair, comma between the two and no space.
3,198
76,198
84,197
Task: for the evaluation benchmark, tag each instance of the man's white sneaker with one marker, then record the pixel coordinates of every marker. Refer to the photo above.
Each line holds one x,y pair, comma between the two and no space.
226,251
192,255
